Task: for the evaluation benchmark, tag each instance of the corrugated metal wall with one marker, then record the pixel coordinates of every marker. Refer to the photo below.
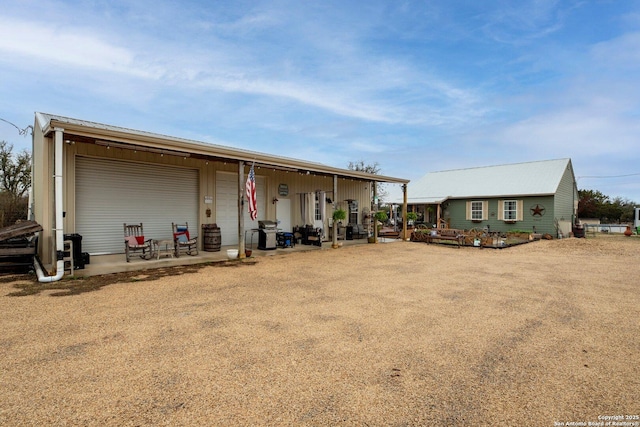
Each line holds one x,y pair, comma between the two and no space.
110,193
297,183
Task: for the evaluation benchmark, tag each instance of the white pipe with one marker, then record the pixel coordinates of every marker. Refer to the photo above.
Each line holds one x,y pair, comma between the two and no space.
30,213
59,230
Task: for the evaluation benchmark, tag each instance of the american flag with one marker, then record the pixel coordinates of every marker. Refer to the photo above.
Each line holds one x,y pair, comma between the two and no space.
251,194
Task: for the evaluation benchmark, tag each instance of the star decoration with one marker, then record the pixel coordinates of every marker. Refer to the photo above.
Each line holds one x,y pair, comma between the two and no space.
537,210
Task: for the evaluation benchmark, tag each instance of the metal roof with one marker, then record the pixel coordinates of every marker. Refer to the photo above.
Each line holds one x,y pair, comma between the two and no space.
92,131
517,179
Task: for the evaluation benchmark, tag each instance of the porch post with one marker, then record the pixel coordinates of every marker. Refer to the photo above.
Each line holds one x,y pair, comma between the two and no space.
334,226
241,191
404,212
375,217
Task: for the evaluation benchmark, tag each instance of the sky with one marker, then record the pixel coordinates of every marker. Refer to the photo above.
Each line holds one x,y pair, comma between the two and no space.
414,86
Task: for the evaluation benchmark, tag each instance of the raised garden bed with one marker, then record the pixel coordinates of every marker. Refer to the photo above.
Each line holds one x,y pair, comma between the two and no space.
479,238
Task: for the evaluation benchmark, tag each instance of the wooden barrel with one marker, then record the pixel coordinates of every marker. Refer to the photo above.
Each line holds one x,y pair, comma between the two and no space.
212,237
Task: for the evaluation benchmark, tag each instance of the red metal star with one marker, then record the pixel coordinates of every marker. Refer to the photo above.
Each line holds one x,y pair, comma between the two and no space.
538,210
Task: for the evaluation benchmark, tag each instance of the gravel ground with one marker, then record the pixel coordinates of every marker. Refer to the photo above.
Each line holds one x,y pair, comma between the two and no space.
400,334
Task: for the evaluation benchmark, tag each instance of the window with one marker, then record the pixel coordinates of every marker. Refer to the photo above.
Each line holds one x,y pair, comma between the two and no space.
476,211
318,214
510,210
353,211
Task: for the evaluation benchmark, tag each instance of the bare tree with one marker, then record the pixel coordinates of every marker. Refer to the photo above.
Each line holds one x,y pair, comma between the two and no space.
15,180
375,169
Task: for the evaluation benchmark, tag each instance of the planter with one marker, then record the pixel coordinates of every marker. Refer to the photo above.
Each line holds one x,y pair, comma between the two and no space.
232,253
371,239
211,237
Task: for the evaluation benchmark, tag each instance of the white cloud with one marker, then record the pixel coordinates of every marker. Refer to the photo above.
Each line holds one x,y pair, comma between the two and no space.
593,132
524,21
341,83
618,54
76,48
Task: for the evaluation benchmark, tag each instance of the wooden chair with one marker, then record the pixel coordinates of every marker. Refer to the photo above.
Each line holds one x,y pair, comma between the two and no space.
183,240
134,241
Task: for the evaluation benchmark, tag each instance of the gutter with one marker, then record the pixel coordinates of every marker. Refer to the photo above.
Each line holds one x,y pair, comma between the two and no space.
58,226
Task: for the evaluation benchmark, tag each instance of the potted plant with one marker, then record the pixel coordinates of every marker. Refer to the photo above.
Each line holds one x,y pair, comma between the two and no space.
338,215
381,216
411,218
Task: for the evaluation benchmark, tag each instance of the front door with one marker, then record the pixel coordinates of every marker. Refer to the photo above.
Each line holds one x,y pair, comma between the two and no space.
283,215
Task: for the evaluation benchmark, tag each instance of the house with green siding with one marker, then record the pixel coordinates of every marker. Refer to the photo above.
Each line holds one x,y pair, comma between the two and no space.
539,196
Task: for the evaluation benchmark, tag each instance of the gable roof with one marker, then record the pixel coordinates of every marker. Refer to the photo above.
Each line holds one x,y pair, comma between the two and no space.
93,132
518,179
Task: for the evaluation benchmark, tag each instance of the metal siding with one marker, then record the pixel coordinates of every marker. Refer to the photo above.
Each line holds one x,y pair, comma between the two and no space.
110,193
564,198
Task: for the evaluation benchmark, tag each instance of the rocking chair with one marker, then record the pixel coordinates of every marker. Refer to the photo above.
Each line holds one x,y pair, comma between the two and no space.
183,241
135,242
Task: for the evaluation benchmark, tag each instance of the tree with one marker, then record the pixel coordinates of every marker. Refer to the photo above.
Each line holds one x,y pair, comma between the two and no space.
590,203
15,180
594,204
618,210
374,169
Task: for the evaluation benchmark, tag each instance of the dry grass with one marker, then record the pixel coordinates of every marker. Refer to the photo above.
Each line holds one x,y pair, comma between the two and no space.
391,334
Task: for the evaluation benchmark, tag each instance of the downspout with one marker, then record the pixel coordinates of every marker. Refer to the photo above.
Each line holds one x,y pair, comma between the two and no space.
30,213
58,226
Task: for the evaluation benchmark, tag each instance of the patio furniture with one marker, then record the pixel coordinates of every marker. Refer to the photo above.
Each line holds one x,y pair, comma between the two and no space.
310,235
184,242
164,247
134,242
357,231
446,234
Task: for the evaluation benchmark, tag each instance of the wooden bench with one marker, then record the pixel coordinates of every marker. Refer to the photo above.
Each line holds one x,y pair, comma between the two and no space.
389,233
452,234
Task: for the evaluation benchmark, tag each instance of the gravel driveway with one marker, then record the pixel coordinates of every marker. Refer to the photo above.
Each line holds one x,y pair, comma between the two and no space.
400,334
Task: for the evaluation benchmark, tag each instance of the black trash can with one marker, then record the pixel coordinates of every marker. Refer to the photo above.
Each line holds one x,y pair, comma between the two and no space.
78,258
578,232
349,232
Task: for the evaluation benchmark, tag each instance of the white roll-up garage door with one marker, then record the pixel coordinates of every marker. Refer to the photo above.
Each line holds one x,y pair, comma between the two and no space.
110,193
227,207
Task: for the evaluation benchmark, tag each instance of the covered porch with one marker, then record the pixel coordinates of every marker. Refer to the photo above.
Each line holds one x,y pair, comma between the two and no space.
116,263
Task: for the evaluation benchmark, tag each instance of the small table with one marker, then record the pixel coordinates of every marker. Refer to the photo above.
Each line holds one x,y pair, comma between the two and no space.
163,247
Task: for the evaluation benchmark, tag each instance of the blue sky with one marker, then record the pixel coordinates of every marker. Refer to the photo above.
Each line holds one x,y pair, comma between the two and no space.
415,86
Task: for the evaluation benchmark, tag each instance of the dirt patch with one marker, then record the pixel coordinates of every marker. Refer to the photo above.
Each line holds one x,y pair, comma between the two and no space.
403,334
28,284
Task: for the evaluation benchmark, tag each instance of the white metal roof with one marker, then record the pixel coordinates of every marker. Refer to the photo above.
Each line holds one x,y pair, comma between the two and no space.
47,122
518,179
